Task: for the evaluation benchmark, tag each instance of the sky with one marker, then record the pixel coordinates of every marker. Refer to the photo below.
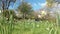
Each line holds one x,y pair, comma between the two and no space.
36,4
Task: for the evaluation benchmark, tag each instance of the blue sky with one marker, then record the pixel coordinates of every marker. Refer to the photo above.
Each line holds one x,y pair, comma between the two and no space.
36,4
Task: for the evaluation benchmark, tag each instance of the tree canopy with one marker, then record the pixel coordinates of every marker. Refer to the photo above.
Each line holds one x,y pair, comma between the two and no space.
25,8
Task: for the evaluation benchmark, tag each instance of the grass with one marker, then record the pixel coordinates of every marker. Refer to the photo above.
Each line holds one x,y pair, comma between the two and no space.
28,27
32,27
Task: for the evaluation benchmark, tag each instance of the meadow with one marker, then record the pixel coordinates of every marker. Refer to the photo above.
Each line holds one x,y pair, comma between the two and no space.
28,27
29,11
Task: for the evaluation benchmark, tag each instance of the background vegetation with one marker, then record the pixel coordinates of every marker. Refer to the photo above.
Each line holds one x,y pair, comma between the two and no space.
28,23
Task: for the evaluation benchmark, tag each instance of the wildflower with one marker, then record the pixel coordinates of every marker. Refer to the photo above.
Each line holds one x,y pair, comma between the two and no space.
37,25
47,29
0,11
39,16
43,13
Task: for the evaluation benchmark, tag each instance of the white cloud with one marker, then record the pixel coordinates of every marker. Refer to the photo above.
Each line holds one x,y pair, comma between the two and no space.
29,3
42,4
21,0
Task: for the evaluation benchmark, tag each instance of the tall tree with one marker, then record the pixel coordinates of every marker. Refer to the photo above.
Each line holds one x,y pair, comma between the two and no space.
25,8
6,4
50,2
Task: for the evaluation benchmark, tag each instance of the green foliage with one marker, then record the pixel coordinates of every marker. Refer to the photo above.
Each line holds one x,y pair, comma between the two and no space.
25,8
7,13
28,27
50,3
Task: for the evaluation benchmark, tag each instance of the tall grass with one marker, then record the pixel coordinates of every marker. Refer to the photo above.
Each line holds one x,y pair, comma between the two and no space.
28,26
6,26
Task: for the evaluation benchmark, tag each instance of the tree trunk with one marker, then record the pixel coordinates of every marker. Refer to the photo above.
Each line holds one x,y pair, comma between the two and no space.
24,15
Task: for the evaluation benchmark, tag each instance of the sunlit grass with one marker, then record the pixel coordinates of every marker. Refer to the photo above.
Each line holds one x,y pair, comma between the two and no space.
33,27
28,27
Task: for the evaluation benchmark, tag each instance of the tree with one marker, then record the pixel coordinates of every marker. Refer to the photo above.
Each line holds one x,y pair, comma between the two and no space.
6,4
8,13
49,2
50,5
25,8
